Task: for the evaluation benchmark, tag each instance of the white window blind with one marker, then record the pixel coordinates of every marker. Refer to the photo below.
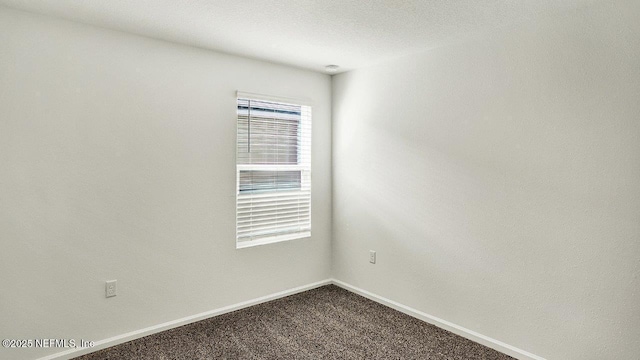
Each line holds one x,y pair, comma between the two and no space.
273,171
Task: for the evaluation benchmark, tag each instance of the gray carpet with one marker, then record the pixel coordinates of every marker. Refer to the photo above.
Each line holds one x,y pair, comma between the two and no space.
324,323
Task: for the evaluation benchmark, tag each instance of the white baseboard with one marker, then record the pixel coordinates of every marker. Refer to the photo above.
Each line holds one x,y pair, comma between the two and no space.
119,339
456,329
443,324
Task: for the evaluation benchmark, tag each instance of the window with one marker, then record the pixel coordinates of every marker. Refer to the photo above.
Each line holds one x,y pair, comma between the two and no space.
273,170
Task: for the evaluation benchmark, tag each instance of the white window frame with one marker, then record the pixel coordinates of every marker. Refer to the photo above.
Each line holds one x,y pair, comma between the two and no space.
302,197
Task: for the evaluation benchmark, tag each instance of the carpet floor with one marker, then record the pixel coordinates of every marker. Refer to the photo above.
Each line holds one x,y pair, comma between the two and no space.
323,323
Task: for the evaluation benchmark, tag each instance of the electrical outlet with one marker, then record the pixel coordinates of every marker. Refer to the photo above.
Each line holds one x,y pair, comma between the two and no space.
110,288
372,256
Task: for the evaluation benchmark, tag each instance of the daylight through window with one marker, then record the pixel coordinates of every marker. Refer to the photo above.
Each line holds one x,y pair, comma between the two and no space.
273,170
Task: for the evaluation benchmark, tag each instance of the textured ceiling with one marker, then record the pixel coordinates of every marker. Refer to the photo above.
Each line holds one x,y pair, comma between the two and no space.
304,33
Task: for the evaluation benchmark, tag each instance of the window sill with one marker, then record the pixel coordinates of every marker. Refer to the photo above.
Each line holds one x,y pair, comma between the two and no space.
272,239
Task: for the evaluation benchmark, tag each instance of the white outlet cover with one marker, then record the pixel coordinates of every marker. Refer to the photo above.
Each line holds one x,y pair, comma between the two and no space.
110,288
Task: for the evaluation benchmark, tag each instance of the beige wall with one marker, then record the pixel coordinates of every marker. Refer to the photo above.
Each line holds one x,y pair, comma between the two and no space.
117,161
498,180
